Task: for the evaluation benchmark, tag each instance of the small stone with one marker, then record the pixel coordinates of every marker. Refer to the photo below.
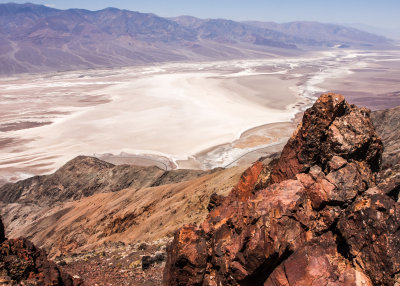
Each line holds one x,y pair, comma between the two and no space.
336,163
147,262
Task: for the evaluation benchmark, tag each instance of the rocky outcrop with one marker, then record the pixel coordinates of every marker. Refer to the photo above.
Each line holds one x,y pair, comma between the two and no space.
331,127
371,230
387,124
317,263
317,219
21,262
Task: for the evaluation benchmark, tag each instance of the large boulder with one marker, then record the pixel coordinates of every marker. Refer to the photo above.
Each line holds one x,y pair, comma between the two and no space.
317,263
21,263
331,127
301,227
371,229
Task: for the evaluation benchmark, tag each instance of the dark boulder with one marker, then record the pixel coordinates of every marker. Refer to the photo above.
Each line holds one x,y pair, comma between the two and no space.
149,260
215,201
371,229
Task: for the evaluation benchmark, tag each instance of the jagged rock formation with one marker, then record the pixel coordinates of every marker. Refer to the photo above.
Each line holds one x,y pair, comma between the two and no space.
21,262
387,124
316,219
323,134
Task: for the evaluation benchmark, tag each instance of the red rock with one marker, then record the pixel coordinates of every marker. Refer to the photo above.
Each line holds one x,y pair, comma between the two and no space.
371,228
330,128
21,262
188,259
287,232
317,263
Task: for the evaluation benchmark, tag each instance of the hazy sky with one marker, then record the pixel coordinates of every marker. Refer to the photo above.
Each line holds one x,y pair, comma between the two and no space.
378,13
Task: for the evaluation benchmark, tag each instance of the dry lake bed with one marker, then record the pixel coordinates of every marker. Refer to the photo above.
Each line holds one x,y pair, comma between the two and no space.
178,115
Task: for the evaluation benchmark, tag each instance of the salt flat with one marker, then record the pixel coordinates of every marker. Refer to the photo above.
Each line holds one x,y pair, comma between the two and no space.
173,112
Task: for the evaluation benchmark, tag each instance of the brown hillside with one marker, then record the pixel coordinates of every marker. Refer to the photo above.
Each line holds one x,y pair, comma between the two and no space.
129,215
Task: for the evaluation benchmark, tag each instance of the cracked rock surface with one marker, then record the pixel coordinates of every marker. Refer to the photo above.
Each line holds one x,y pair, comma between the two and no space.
319,218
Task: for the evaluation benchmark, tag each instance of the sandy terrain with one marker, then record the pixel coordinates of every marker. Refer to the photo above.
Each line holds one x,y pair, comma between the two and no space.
178,112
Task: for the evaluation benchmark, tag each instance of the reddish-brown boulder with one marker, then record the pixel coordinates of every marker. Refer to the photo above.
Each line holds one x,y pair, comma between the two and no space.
21,262
330,127
371,229
317,263
287,232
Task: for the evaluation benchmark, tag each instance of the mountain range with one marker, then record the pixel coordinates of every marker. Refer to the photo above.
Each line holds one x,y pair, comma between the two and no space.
36,38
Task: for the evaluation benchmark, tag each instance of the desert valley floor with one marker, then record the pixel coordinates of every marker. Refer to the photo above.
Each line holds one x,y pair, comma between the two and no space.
178,115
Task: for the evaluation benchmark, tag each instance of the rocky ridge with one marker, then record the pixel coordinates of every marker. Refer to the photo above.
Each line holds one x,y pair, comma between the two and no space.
152,204
85,176
320,217
36,38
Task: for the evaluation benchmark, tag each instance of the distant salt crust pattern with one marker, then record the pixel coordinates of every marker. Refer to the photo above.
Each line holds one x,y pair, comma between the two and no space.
173,110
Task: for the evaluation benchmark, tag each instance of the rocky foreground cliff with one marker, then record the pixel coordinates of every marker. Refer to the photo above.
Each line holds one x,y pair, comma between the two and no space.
321,216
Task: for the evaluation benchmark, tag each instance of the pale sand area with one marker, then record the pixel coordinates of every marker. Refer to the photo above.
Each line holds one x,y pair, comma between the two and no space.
173,113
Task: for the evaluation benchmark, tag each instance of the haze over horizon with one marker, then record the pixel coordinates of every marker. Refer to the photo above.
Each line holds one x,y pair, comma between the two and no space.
381,15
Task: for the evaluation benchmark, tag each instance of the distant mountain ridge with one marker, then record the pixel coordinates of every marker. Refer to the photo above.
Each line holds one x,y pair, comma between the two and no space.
36,38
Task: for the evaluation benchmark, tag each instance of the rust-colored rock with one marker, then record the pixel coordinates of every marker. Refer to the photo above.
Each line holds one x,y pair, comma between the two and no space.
371,228
21,262
317,263
302,227
330,128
